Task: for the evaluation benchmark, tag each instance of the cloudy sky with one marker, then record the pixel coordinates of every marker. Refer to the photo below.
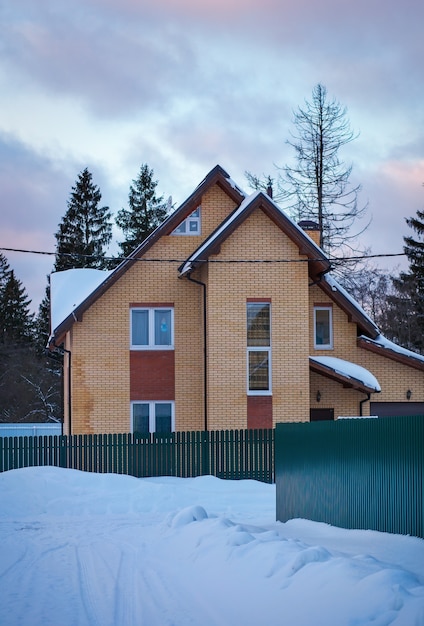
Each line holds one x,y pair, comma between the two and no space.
183,85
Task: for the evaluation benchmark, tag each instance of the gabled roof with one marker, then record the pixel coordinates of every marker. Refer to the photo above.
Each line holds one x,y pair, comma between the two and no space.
348,374
217,176
318,262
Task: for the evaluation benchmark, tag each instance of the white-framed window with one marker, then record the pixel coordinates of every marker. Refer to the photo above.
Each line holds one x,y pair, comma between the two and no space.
323,327
190,226
152,417
258,348
152,328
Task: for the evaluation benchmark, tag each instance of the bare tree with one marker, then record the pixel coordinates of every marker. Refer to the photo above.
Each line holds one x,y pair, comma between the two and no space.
317,187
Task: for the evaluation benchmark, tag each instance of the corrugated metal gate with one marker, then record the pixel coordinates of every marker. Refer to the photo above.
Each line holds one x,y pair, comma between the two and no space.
358,473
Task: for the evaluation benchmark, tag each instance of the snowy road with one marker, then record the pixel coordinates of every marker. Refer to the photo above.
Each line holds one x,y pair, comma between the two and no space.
82,549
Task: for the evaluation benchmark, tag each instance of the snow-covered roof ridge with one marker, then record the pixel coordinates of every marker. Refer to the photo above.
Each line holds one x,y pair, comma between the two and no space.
349,370
222,172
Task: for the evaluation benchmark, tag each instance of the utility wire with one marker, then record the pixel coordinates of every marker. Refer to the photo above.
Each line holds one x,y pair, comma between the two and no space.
334,260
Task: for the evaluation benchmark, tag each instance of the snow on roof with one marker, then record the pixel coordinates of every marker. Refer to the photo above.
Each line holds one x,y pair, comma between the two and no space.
236,187
231,218
349,370
68,289
335,286
389,345
188,264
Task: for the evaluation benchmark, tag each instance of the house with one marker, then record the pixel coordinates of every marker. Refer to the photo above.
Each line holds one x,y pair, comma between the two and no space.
225,317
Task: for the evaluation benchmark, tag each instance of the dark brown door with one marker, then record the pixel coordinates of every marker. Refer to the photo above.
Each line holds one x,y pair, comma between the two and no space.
319,415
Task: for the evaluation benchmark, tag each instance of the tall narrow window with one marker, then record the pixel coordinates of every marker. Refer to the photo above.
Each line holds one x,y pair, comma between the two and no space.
259,348
323,328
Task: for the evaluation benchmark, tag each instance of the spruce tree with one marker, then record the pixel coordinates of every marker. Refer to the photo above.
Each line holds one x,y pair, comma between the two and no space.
408,301
42,321
414,250
146,211
4,270
85,230
16,320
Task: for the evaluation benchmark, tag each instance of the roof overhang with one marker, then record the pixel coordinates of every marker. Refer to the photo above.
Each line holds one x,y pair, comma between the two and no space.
389,350
349,375
354,312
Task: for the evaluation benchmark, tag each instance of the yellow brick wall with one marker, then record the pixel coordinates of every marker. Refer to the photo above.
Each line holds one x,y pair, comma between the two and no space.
394,378
100,343
229,286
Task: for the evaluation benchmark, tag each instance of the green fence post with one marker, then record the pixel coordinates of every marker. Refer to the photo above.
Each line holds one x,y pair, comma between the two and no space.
63,451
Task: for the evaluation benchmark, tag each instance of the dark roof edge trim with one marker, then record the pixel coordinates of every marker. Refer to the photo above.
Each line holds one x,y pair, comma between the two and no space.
405,359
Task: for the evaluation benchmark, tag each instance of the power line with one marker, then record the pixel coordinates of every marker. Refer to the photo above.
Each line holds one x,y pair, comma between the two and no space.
334,260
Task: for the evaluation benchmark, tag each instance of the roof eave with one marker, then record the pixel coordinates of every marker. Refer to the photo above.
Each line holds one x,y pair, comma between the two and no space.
348,382
404,359
353,313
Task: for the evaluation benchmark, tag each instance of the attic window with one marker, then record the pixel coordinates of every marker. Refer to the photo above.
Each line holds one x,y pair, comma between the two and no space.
190,226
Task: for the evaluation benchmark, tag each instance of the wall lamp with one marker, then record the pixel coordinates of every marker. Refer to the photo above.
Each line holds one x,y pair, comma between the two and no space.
408,394
318,396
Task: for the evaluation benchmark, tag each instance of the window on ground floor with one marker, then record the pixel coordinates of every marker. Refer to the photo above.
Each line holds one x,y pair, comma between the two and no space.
152,417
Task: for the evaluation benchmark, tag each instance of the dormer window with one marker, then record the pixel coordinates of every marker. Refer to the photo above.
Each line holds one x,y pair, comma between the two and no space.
190,226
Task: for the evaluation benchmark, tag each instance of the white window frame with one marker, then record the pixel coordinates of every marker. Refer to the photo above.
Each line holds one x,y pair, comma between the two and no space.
152,413
191,220
268,349
151,339
324,346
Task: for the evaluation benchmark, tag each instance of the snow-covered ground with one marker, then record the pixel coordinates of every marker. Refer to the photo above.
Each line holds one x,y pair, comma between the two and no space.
100,549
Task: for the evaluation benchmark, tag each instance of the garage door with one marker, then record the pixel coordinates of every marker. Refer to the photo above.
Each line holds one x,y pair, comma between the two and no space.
395,409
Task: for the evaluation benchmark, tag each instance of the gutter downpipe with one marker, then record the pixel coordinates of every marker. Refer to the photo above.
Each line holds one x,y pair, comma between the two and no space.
367,399
205,345
68,352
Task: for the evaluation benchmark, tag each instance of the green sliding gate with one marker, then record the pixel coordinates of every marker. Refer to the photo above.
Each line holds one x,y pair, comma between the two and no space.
354,473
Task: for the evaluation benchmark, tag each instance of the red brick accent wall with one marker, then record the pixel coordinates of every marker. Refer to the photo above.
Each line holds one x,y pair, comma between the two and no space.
259,411
152,375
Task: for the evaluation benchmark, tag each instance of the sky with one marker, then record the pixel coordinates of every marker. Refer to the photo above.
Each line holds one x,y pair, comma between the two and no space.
183,86
121,551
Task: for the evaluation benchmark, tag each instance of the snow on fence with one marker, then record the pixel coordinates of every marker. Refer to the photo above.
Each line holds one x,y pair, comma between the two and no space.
29,430
231,454
366,474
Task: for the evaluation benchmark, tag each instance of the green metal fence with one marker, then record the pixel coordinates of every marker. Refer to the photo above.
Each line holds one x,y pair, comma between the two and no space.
231,454
358,473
